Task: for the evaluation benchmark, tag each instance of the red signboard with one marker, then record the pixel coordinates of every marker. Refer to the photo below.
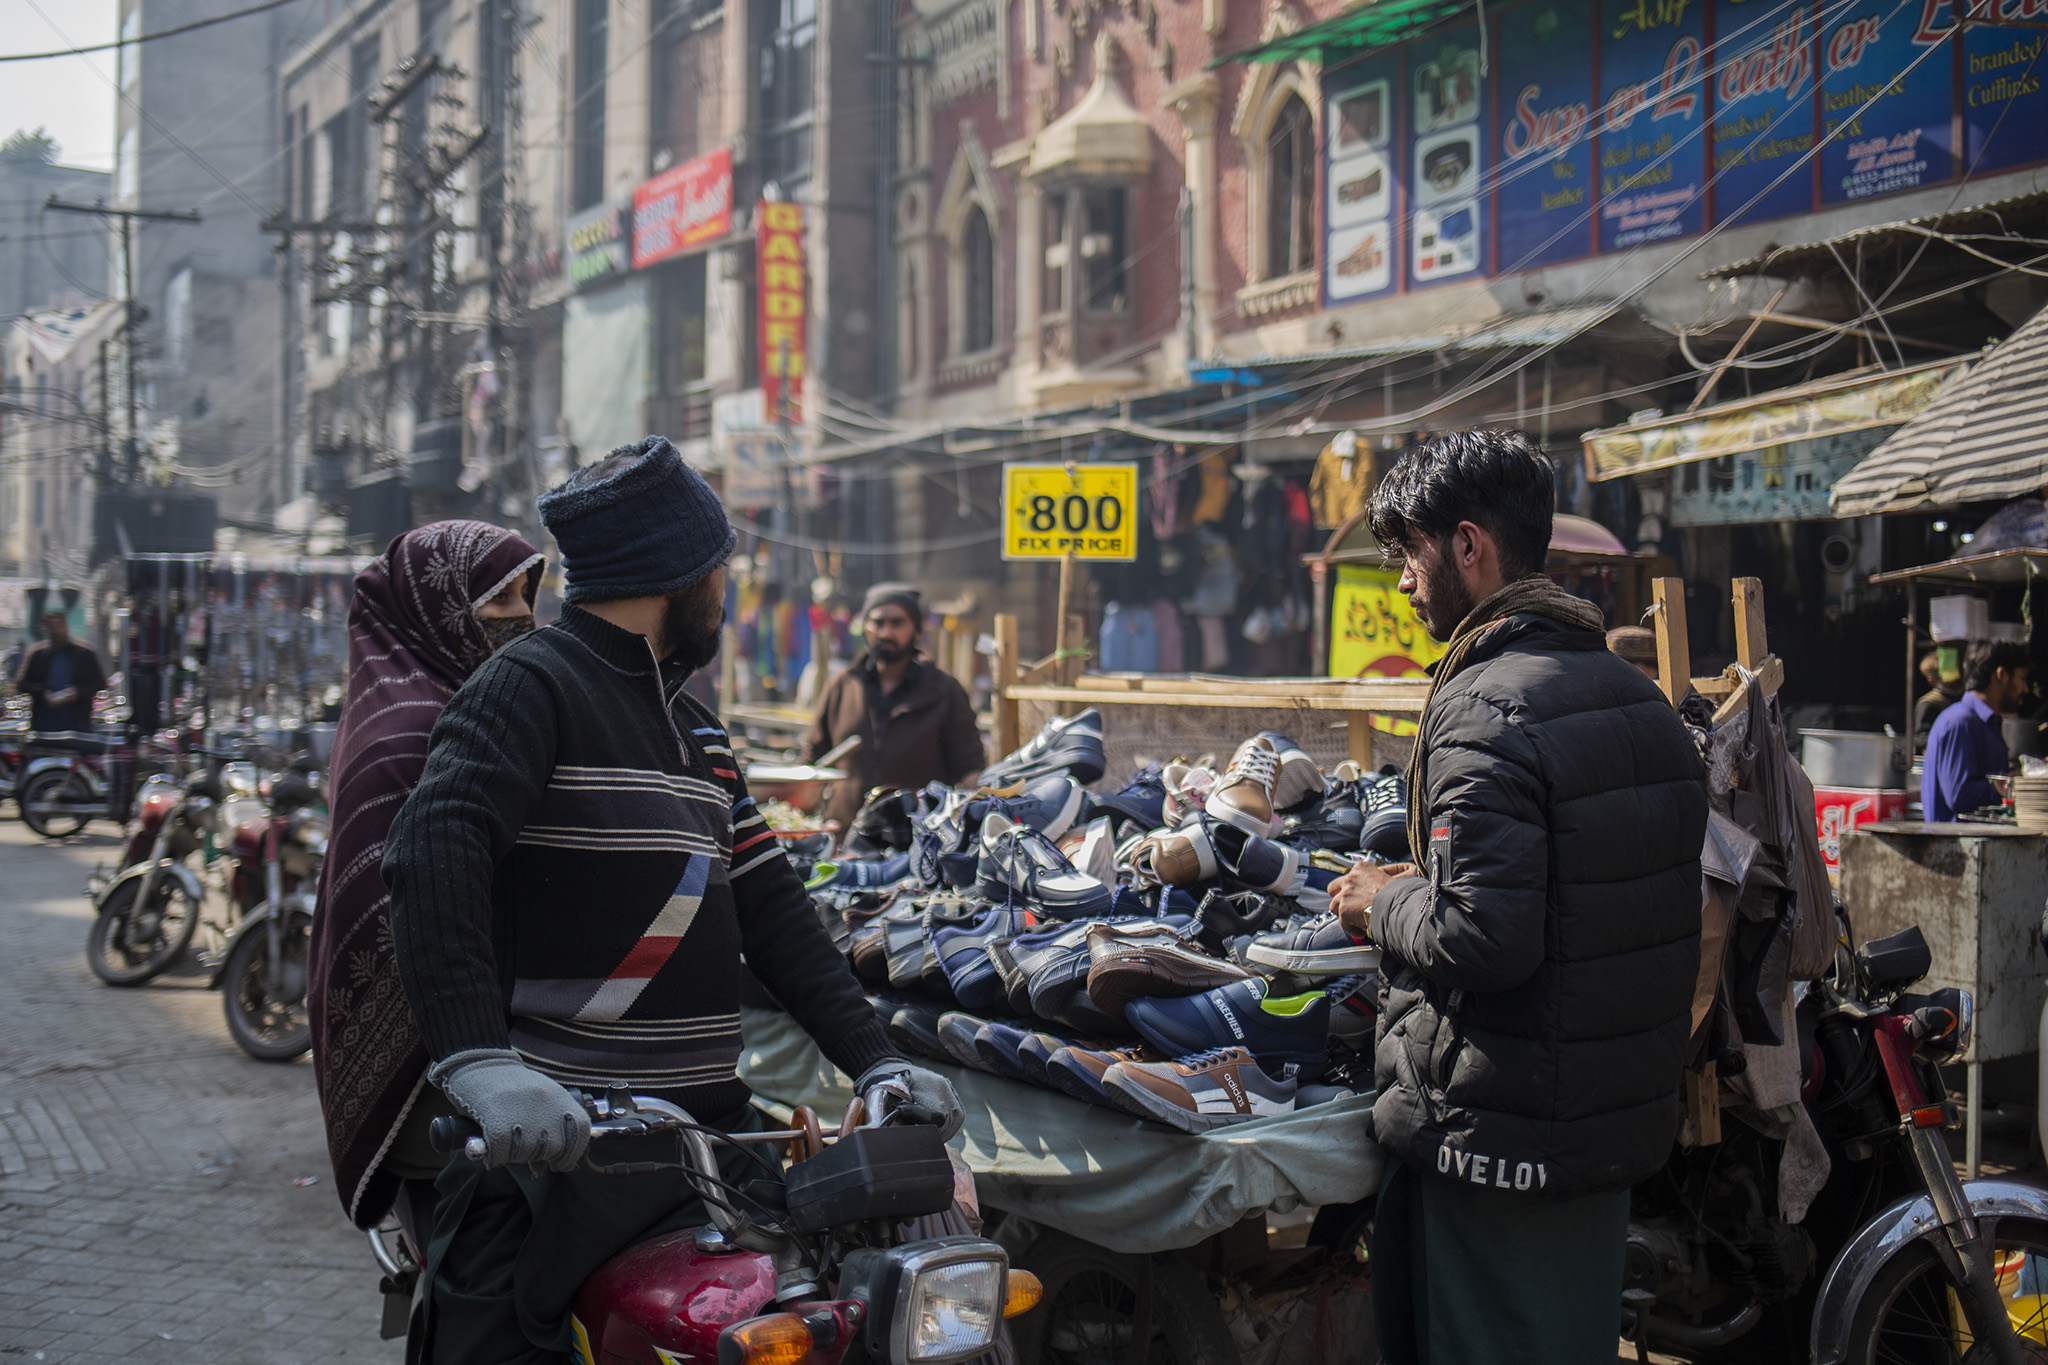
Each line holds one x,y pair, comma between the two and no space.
779,255
684,207
1837,810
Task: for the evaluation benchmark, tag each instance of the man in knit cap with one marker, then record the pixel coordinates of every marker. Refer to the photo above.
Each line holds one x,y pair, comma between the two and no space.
575,882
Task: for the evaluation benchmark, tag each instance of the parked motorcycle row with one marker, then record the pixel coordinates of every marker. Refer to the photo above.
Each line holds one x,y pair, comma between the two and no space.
220,860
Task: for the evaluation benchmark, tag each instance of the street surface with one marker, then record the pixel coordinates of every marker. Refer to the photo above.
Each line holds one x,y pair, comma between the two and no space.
150,1208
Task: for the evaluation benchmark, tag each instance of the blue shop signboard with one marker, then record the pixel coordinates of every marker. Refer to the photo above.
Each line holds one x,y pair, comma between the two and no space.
1888,86
1545,129
1653,117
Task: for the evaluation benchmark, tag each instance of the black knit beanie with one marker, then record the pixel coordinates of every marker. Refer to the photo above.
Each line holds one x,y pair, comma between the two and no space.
639,523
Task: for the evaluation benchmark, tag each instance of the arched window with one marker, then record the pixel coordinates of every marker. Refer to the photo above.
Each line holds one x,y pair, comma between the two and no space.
1290,191
977,283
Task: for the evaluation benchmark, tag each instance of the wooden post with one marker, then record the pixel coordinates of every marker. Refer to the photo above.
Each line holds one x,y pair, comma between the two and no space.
1358,738
1003,677
1751,646
1063,614
1674,650
1703,1105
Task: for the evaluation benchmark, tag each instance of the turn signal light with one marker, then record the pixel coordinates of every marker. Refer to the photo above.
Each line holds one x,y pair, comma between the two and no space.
1930,1116
778,1339
1023,1293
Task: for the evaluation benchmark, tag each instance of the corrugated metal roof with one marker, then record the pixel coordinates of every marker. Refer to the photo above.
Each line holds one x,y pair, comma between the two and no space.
1547,327
1792,261
1984,438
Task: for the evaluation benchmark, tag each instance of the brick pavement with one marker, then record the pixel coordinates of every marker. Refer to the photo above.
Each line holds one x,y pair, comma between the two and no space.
148,1204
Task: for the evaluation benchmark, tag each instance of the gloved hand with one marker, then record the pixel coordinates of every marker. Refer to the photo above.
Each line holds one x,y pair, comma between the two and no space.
931,1095
527,1119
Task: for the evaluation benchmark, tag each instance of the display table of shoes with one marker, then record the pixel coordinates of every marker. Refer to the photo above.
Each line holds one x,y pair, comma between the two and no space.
1097,1173
1156,1021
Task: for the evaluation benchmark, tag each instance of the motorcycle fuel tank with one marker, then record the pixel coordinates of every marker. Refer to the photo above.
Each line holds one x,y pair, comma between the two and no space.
664,1302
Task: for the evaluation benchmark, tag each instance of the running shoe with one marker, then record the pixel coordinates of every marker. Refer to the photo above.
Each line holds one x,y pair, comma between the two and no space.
915,1026
1020,866
868,872
962,951
999,1044
1068,744
1078,1071
1383,800
1207,1090
1321,947
1278,1030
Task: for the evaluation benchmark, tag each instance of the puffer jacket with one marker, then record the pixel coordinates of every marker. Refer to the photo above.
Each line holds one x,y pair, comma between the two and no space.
1538,977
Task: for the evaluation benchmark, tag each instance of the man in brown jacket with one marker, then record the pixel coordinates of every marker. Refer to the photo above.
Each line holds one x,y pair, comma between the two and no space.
915,723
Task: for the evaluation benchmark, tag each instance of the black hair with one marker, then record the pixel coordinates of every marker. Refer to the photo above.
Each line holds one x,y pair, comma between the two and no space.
1491,478
2005,654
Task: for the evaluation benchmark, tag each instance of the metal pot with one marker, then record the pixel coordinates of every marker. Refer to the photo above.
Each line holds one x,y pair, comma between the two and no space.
1852,758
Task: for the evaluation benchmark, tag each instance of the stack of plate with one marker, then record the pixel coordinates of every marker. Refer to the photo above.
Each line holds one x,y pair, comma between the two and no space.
2030,803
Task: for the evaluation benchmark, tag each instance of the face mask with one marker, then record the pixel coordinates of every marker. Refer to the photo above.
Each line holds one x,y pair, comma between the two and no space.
503,630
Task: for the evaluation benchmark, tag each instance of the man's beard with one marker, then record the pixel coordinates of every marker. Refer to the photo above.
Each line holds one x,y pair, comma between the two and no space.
1445,599
690,627
887,651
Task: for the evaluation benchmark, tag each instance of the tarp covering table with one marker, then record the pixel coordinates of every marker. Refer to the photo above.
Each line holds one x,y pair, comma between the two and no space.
1102,1176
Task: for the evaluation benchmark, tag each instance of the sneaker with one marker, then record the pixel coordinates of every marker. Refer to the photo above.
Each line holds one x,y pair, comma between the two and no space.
1226,915
1278,1030
1125,963
1018,864
1384,802
1078,1071
915,1026
1094,851
868,953
963,957
1187,787
1052,964
1250,862
1269,774
956,1036
1175,857
1140,805
1207,1090
1068,744
1034,1054
873,872
1336,821
883,820
1000,1045
1322,947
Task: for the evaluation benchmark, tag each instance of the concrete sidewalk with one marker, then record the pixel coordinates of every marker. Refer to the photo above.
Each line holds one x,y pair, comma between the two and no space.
150,1204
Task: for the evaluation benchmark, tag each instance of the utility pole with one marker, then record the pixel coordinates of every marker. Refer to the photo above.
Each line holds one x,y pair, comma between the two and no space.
127,218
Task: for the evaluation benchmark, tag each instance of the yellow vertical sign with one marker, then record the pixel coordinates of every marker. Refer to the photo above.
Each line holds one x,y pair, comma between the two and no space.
1374,633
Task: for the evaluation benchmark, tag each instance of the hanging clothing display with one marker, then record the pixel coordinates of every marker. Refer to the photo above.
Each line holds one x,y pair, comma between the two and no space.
1343,481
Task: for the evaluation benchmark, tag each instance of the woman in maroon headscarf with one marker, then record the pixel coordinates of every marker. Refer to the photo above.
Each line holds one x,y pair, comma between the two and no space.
436,605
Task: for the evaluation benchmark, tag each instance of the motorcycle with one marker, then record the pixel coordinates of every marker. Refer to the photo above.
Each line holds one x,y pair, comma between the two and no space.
278,845
805,1267
147,912
1896,1258
69,780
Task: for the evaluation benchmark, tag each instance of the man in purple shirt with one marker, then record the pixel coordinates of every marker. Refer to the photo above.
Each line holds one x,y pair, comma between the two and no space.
1966,745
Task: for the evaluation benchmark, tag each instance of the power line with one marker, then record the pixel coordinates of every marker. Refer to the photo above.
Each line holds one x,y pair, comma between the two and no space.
143,38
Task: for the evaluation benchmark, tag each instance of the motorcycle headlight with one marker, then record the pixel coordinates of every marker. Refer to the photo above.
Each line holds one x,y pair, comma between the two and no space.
931,1302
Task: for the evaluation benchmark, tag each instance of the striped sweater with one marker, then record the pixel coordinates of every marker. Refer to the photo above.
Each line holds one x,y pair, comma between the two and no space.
580,872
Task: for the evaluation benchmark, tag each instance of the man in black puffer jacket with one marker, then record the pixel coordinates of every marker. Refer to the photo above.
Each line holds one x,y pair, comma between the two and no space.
1539,963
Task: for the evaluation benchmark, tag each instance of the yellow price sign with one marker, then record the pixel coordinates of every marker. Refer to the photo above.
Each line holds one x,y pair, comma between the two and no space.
1090,509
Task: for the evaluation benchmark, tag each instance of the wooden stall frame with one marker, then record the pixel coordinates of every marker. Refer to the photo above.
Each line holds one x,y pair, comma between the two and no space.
1357,699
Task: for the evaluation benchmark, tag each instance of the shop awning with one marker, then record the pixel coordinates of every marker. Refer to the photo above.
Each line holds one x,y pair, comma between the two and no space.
1542,327
1858,401
1985,437
2013,222
1375,24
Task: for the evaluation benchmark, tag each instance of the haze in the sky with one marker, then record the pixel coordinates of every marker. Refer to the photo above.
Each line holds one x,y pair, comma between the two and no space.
73,97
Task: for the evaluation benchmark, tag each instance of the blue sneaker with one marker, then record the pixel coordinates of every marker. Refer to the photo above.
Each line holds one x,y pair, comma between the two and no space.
963,956
1277,1031
1140,805
869,872
1034,1054
1000,1046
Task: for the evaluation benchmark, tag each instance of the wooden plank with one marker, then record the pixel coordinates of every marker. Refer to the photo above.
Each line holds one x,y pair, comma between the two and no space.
1751,647
1410,704
1772,675
1104,682
1004,669
1674,649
